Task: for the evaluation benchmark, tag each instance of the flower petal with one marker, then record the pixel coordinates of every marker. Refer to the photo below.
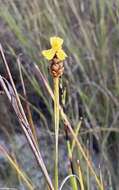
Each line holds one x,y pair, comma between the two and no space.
48,54
61,55
56,43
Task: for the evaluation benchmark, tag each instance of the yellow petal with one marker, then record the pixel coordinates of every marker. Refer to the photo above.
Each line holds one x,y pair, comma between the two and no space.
56,43
48,54
61,54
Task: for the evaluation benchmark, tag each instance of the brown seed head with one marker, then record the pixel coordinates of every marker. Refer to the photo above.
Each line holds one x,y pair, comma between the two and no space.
57,67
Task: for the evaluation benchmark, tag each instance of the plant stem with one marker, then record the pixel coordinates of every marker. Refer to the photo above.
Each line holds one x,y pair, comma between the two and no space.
71,169
56,120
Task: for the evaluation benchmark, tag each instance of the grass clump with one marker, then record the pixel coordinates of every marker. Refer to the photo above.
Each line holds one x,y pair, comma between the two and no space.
90,31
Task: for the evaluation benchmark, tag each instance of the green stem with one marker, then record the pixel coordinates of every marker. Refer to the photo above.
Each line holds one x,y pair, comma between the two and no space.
72,179
56,120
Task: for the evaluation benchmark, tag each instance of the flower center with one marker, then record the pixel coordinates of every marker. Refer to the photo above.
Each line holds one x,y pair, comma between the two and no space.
56,46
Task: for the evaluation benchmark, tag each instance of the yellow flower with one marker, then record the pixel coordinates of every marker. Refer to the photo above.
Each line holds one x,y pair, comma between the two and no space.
56,49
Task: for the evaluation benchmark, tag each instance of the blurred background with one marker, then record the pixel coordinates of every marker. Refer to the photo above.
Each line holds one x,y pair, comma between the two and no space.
90,29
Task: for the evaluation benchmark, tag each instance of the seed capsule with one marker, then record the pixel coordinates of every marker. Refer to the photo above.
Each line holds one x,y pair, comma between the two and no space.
57,67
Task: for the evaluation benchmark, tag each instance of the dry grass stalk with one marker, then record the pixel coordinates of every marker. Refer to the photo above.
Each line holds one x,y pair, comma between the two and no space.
11,92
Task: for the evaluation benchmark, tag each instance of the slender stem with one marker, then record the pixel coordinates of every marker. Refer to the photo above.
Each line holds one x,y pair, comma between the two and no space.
73,180
27,104
80,174
56,120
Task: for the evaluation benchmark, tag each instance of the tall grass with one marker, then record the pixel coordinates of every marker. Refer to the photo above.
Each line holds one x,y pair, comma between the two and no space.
90,30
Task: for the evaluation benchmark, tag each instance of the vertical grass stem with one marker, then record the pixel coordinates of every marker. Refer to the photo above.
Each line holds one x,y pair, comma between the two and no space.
56,121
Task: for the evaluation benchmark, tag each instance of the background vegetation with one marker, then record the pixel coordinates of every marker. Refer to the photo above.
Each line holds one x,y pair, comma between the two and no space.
90,30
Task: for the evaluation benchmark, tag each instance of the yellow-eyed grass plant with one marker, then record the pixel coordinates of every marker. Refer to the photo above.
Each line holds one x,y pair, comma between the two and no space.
42,78
97,39
11,92
56,55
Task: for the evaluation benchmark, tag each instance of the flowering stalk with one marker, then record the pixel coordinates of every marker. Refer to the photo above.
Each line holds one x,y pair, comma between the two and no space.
56,120
56,55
